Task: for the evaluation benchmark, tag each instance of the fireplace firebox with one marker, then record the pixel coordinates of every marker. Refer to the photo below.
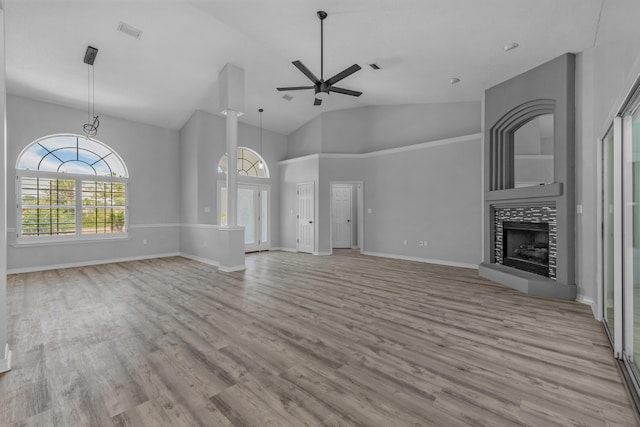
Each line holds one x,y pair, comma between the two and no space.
525,246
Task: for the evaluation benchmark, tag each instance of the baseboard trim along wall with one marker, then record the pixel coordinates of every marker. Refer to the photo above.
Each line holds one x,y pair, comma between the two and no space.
587,301
425,260
5,363
88,263
232,269
284,249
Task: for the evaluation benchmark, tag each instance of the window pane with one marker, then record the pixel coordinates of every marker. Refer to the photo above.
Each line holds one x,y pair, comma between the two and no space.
248,164
635,135
103,207
48,221
223,206
264,217
246,214
72,154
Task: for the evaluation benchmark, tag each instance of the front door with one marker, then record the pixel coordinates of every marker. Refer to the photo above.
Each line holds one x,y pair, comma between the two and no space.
306,214
253,215
341,202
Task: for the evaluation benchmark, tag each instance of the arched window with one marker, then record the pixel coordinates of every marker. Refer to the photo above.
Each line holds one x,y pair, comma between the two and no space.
250,163
70,187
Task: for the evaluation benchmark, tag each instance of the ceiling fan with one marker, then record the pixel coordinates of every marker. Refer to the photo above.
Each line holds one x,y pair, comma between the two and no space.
321,86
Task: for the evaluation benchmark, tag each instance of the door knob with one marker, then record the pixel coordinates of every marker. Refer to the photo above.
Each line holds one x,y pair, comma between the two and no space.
348,220
310,222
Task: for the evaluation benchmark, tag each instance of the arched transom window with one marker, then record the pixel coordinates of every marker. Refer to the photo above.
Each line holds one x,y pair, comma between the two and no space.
70,187
250,163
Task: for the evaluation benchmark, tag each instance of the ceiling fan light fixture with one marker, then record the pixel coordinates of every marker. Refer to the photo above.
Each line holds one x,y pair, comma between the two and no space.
322,95
454,80
510,46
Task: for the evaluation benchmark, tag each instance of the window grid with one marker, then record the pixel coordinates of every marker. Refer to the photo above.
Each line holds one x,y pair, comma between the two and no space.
248,164
48,206
70,190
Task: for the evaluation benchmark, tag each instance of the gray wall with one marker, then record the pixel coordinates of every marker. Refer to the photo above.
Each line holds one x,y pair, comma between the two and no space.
554,80
432,194
292,173
413,193
603,76
152,158
202,143
366,129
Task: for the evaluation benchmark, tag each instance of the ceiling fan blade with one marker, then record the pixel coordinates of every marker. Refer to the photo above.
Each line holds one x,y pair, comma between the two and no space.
344,91
344,73
317,101
300,66
281,89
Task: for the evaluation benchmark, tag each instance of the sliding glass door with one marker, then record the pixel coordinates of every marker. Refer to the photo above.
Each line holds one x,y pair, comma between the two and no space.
620,291
608,215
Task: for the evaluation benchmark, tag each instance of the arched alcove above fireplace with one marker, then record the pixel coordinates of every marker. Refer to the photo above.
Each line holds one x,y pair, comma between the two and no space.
536,210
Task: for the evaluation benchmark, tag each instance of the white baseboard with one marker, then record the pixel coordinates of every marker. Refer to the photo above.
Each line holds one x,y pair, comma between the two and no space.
588,301
322,253
88,263
284,249
425,260
215,263
232,269
584,299
5,363
200,259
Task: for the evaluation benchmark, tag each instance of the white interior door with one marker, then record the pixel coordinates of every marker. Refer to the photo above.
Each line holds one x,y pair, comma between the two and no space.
306,210
341,202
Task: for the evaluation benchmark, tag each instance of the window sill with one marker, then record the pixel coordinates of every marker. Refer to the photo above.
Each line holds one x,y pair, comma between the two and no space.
26,242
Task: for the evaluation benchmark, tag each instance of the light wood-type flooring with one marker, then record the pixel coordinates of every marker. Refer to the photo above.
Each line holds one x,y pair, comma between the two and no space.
300,340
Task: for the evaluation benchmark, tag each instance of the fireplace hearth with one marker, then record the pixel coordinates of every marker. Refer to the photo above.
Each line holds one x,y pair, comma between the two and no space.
525,246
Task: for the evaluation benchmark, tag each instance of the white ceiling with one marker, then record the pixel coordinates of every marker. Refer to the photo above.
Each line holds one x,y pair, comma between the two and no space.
173,69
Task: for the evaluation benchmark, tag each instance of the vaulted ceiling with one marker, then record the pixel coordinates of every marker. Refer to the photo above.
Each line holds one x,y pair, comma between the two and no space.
172,70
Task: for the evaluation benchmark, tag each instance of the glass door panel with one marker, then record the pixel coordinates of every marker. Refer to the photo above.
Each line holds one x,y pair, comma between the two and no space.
264,216
634,323
253,214
247,214
608,231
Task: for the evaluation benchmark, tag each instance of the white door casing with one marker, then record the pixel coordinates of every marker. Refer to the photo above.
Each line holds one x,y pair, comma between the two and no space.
306,210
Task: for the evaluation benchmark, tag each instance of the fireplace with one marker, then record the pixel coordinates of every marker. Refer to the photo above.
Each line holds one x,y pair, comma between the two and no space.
525,246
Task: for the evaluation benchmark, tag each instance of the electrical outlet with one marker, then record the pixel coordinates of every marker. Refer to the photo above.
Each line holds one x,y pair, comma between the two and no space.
204,244
207,209
404,242
144,241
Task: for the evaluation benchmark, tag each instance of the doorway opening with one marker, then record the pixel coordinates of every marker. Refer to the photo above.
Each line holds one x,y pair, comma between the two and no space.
253,214
347,215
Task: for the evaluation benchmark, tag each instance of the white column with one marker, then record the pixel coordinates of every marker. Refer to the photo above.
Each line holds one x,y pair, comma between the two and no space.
231,93
232,169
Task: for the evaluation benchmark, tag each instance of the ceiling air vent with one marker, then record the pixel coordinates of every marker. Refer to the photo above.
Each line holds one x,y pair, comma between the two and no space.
129,30
287,97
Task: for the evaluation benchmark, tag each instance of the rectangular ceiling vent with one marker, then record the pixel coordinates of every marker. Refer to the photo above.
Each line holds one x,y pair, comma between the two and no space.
287,97
129,30
375,66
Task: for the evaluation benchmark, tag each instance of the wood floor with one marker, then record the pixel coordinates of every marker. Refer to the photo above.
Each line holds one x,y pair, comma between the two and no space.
300,340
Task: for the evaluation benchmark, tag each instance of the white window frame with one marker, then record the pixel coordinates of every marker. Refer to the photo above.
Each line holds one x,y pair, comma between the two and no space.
78,236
